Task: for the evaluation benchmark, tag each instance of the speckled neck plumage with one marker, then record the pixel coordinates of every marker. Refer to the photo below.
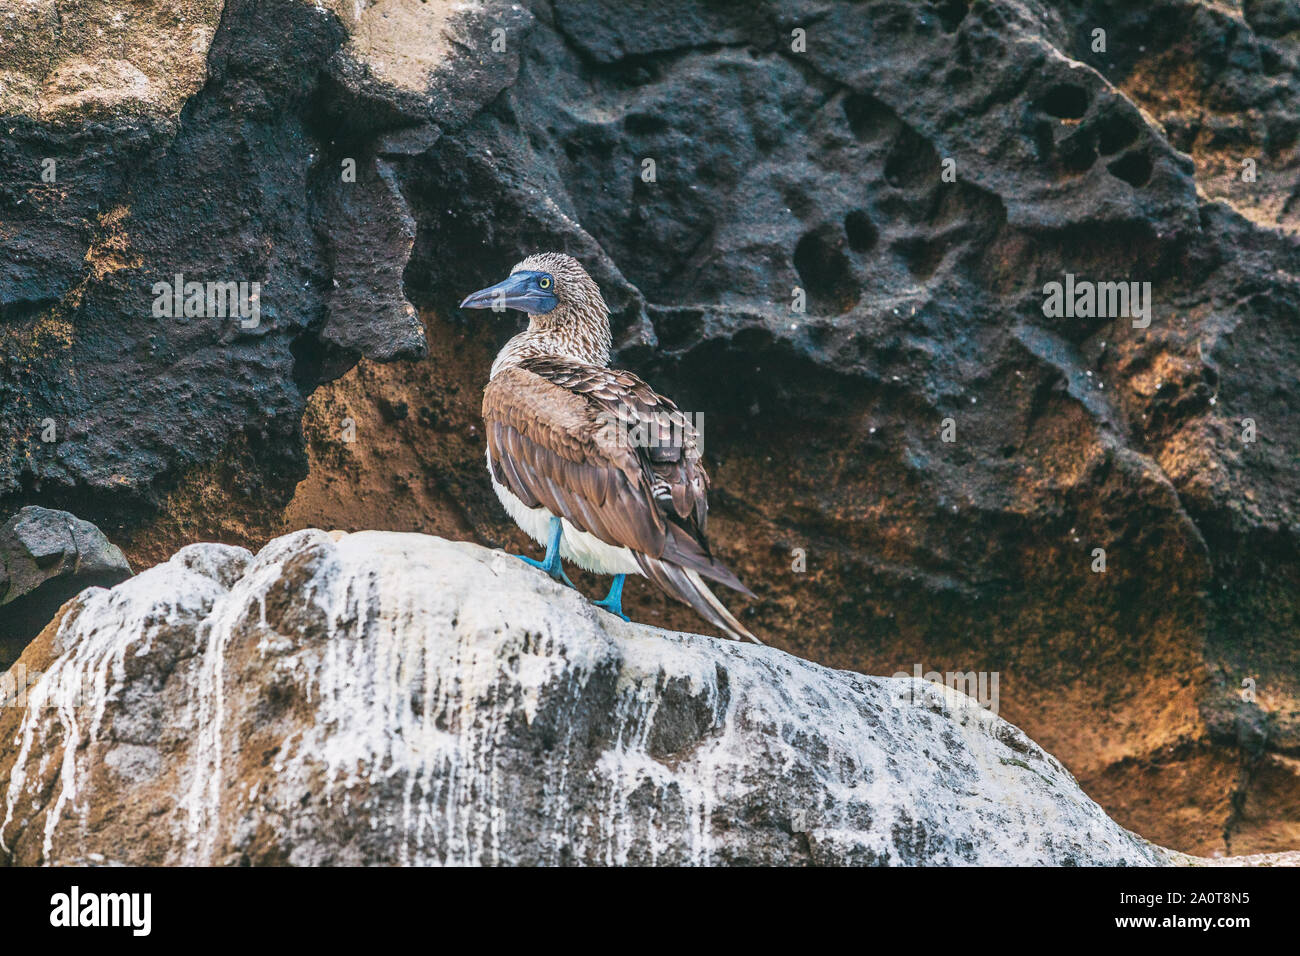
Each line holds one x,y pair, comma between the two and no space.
577,328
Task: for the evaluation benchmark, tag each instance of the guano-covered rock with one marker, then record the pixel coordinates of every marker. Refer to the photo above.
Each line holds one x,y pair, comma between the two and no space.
400,699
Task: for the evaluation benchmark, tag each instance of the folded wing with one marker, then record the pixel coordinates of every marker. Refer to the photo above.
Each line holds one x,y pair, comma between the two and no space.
599,447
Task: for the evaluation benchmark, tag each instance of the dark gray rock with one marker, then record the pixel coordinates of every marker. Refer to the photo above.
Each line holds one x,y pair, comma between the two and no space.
234,191
47,557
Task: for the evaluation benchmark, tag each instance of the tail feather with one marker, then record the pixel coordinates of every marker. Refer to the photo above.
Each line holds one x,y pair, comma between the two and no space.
686,585
680,548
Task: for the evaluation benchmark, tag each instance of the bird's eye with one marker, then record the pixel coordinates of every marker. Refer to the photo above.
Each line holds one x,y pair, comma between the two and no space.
544,282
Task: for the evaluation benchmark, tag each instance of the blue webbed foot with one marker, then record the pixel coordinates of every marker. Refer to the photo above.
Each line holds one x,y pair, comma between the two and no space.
613,601
613,607
556,570
558,574
551,563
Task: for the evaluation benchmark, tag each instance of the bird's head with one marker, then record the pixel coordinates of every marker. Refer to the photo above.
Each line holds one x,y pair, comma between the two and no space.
553,288
566,313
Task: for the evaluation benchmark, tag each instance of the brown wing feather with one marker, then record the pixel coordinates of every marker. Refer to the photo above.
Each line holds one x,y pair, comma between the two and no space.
546,449
554,430
670,459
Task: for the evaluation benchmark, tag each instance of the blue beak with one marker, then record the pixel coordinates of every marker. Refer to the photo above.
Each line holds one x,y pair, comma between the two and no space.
520,291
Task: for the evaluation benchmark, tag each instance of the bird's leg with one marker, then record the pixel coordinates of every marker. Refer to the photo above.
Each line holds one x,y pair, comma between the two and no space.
613,601
551,563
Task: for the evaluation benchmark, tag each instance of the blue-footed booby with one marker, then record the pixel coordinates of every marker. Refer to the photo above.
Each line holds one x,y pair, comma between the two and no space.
562,457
